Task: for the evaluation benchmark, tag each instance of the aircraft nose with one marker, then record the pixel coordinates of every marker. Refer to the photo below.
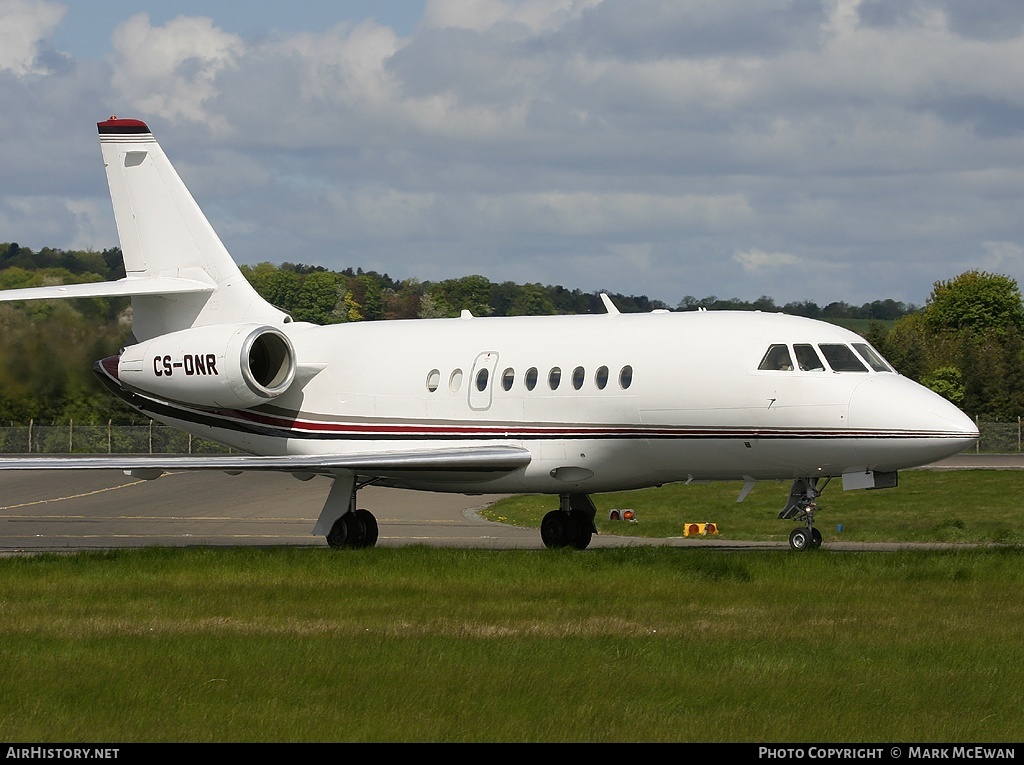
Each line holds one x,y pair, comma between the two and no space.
926,426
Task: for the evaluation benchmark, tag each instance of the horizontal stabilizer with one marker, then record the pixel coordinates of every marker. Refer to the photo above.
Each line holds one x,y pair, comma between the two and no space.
129,287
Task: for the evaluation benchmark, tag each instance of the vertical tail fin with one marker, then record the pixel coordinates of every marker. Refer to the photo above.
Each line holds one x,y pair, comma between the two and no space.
164,235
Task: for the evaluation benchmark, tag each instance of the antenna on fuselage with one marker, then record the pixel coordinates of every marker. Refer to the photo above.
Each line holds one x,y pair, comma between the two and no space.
609,306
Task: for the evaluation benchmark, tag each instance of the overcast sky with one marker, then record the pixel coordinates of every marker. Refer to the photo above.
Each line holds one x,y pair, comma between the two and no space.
803,149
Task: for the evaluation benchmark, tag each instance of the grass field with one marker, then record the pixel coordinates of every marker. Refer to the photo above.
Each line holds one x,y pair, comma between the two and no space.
607,645
978,506
417,644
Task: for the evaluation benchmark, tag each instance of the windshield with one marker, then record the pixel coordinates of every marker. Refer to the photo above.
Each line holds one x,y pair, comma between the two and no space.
777,359
808,359
870,355
841,358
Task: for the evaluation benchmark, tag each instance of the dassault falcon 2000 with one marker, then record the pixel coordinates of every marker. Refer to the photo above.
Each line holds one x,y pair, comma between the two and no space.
560,405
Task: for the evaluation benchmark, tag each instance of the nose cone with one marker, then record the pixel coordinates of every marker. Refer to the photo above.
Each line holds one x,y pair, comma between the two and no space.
909,424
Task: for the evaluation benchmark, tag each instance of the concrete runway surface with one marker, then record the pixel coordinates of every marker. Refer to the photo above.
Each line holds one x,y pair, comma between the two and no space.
89,510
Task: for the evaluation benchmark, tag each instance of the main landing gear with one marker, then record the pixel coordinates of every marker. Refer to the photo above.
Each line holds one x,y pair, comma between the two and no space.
356,527
572,525
801,506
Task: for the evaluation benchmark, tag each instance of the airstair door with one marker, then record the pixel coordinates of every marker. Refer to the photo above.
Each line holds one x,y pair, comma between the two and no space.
481,381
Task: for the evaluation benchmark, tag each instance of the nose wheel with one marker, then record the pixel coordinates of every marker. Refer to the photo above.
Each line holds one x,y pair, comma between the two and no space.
804,538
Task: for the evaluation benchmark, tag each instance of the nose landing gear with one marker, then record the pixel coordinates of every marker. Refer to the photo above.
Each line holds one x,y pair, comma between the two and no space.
801,506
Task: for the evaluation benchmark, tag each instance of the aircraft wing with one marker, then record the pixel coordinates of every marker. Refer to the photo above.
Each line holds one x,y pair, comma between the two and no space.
482,459
121,288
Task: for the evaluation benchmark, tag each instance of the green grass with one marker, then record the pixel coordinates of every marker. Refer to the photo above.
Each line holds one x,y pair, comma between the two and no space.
978,506
423,644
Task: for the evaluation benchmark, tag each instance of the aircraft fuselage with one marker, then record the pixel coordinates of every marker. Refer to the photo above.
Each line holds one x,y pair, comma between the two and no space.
602,403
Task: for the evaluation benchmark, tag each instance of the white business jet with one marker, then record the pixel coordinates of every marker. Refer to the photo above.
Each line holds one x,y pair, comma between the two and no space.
560,405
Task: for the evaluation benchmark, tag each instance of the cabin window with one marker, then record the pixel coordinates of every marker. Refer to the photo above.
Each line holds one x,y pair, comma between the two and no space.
433,380
531,377
870,355
578,376
841,358
455,381
626,377
777,359
808,358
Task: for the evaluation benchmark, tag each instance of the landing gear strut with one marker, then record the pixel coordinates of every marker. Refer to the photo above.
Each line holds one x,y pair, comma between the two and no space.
801,506
572,525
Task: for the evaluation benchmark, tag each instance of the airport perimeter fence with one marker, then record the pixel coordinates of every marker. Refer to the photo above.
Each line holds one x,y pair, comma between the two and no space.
996,438
103,439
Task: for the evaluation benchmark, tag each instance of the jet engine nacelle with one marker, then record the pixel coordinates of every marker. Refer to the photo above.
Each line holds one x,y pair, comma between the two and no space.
231,366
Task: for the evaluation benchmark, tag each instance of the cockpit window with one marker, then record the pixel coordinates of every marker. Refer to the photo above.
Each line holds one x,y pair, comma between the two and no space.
808,358
777,359
870,355
841,358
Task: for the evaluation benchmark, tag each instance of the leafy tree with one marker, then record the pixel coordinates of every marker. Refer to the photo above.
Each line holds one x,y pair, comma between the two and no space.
975,300
884,310
367,290
532,300
807,308
403,300
967,344
352,308
503,296
434,307
317,298
472,293
838,310
279,286
947,382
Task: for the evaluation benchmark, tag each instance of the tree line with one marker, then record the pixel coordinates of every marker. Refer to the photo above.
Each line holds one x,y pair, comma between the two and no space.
321,296
966,342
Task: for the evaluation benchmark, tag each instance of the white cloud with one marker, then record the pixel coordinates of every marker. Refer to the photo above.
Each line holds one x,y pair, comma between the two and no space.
528,139
94,225
58,221
484,15
170,71
1004,256
345,64
25,24
759,260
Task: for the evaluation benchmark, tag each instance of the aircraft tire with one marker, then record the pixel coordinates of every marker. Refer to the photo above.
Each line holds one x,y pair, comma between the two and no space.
815,538
584,530
558,529
370,528
338,534
353,530
800,539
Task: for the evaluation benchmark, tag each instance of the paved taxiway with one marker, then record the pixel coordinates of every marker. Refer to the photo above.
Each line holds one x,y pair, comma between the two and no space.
83,510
